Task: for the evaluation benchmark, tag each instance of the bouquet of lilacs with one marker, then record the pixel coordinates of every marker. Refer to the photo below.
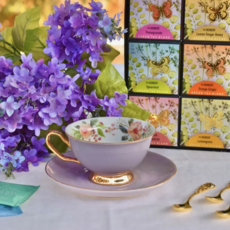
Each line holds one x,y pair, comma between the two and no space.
53,75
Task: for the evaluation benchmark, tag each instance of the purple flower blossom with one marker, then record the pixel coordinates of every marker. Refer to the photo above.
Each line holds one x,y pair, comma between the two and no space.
56,68
22,75
105,23
30,156
39,144
120,98
93,99
9,106
18,158
5,65
15,160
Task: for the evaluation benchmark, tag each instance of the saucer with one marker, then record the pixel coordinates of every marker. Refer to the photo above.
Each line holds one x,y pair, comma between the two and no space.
154,170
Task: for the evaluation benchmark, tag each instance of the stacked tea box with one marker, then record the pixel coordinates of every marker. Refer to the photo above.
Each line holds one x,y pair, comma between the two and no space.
181,74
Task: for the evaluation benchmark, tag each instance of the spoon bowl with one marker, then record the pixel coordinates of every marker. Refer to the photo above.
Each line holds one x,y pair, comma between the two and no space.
214,199
182,207
224,213
218,198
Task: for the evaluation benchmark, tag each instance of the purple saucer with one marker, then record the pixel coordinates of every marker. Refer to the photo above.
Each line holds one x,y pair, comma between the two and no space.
152,171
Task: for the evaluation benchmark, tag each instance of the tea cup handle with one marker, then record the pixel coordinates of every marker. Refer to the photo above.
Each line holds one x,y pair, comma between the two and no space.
55,151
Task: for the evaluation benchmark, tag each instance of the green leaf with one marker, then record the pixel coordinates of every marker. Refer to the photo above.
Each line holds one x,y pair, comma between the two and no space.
77,126
93,122
77,134
23,22
123,129
100,132
101,126
108,56
134,111
124,138
108,83
7,51
111,81
7,48
130,121
71,72
56,141
35,42
7,35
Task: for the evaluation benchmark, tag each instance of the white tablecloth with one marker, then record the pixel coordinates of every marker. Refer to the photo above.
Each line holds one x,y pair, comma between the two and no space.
53,207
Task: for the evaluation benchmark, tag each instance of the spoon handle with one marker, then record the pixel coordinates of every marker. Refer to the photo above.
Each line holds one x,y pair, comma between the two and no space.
226,188
203,188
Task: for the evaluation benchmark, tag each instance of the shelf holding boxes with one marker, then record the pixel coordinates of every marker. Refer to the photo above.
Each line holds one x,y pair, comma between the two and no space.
196,77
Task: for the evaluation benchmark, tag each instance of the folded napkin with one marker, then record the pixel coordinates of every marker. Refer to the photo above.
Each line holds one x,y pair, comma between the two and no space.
9,211
14,195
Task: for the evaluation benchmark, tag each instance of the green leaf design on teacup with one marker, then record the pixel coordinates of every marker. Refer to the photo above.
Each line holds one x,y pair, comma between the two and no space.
123,129
125,138
93,122
100,132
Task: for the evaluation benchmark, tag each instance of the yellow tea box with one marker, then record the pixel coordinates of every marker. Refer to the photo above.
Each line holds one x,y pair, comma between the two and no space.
207,20
155,19
205,123
163,116
206,70
153,68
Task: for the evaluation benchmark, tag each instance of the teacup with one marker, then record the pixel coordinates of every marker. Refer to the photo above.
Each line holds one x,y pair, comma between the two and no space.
110,147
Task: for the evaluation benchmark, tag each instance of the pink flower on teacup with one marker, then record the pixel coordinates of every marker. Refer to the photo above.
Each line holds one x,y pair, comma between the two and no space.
135,130
86,130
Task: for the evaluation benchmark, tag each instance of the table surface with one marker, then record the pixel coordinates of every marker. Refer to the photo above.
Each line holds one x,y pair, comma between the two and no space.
54,207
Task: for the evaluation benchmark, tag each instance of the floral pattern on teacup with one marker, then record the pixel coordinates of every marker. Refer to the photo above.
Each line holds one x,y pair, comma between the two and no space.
96,131
133,130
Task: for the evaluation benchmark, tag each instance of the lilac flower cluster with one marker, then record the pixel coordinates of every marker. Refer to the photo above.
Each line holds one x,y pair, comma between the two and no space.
76,31
37,95
34,96
18,149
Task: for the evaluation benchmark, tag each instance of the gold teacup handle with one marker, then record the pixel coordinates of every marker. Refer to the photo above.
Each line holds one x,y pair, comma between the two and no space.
65,140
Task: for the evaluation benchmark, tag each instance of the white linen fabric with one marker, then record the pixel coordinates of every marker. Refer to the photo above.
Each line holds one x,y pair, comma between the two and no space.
54,207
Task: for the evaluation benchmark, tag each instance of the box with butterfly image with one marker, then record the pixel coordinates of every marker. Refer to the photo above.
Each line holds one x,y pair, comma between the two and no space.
155,19
153,67
206,70
207,20
205,123
163,116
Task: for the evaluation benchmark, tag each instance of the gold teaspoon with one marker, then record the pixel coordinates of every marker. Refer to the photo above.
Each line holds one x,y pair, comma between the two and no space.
186,206
224,213
218,198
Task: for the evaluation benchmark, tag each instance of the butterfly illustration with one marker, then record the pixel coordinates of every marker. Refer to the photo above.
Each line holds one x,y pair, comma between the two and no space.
219,12
216,68
212,122
161,11
162,66
160,119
